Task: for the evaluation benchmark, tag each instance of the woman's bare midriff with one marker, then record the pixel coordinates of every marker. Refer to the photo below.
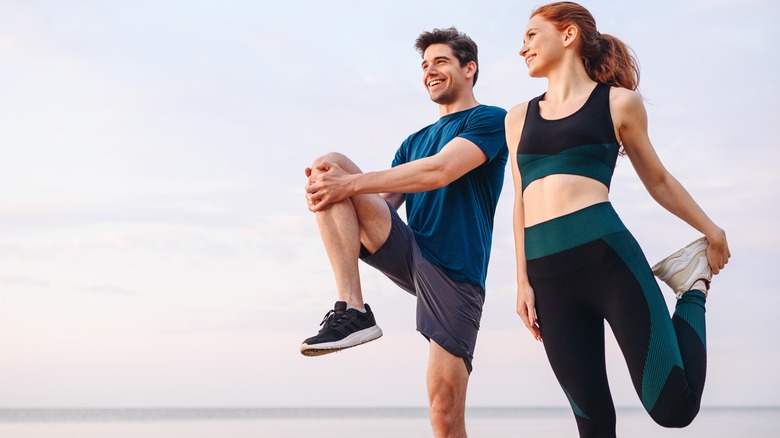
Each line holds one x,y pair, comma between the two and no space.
560,194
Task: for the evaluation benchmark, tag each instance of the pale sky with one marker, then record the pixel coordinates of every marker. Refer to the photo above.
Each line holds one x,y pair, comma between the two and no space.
155,246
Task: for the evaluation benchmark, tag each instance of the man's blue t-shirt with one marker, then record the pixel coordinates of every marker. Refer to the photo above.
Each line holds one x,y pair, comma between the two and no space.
453,225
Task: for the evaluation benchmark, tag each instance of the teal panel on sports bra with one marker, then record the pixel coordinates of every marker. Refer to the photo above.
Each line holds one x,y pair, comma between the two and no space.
595,161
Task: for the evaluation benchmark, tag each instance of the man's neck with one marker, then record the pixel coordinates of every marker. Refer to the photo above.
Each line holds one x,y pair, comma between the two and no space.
457,106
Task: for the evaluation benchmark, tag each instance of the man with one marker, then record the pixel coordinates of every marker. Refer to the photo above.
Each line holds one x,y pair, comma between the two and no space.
450,175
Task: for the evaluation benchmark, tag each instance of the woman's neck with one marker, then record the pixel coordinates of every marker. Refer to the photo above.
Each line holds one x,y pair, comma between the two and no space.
568,81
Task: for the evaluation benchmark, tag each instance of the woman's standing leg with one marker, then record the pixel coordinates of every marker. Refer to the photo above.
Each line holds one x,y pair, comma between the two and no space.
573,336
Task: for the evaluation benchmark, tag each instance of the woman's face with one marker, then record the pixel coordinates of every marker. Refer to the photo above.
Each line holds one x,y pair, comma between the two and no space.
542,46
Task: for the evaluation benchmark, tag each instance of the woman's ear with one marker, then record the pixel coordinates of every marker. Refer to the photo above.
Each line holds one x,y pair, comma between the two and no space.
570,34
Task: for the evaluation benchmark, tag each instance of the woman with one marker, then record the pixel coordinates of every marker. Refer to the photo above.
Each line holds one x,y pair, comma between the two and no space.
577,265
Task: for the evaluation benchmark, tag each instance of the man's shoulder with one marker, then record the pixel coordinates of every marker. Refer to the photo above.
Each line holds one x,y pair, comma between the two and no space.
478,117
479,114
485,117
490,109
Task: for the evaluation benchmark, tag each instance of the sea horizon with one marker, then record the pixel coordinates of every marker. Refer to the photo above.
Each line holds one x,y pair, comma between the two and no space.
375,422
174,413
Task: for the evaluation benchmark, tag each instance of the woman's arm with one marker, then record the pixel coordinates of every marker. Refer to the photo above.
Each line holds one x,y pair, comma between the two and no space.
525,294
630,120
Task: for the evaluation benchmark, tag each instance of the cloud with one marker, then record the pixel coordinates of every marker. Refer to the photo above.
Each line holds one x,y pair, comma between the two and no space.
23,282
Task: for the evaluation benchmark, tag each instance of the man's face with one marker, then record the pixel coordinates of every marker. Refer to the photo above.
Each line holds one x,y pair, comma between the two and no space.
443,76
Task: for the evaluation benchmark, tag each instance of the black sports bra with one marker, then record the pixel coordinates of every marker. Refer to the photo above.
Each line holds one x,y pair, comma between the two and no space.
583,143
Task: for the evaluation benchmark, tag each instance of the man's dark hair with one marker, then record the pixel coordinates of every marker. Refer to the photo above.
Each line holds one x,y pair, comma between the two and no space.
463,47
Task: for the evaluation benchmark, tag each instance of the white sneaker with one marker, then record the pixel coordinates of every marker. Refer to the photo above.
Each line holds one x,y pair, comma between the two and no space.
683,268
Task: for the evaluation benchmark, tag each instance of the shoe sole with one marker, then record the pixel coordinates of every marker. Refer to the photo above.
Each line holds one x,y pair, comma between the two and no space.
353,340
679,263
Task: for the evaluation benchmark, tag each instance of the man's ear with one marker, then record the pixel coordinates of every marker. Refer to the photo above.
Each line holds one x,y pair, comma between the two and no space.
471,67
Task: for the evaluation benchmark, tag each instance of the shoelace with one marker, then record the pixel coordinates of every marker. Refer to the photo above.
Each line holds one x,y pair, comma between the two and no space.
333,318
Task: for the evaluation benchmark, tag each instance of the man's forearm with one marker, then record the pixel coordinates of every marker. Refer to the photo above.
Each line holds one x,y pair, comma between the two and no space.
417,176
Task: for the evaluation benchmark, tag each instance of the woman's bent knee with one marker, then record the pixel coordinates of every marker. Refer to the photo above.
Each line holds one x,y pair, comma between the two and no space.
677,416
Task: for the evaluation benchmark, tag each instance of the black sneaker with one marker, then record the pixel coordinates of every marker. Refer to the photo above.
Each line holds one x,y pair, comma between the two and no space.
342,328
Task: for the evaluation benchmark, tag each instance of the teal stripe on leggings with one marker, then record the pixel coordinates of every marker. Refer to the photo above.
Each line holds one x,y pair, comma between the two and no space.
571,230
661,356
690,307
577,411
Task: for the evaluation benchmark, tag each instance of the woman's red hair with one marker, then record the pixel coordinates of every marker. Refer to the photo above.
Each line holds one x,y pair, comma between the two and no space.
607,59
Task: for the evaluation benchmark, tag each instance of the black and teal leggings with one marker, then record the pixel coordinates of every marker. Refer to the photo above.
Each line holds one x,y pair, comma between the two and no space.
585,267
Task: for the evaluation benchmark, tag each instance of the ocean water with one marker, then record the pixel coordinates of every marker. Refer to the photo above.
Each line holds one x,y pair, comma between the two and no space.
361,422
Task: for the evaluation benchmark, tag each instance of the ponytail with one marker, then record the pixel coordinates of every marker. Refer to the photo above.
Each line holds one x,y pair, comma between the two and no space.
615,64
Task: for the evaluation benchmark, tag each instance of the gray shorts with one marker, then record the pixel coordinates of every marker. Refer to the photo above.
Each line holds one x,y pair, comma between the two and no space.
447,311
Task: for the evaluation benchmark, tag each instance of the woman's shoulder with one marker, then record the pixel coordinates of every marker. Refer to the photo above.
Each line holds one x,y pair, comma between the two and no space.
514,121
623,96
517,113
626,106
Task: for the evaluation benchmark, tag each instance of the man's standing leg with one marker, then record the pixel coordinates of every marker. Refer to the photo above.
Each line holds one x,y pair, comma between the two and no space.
344,225
447,380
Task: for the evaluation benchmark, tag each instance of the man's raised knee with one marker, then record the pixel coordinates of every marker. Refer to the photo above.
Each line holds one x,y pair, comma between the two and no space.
330,157
336,158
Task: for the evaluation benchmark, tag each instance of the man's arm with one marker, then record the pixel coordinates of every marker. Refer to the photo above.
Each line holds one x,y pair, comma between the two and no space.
332,184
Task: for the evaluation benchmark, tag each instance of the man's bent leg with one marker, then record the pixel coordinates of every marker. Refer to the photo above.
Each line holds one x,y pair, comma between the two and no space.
342,227
447,380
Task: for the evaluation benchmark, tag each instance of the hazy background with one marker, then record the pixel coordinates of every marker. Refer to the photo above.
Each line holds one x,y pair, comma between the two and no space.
155,246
